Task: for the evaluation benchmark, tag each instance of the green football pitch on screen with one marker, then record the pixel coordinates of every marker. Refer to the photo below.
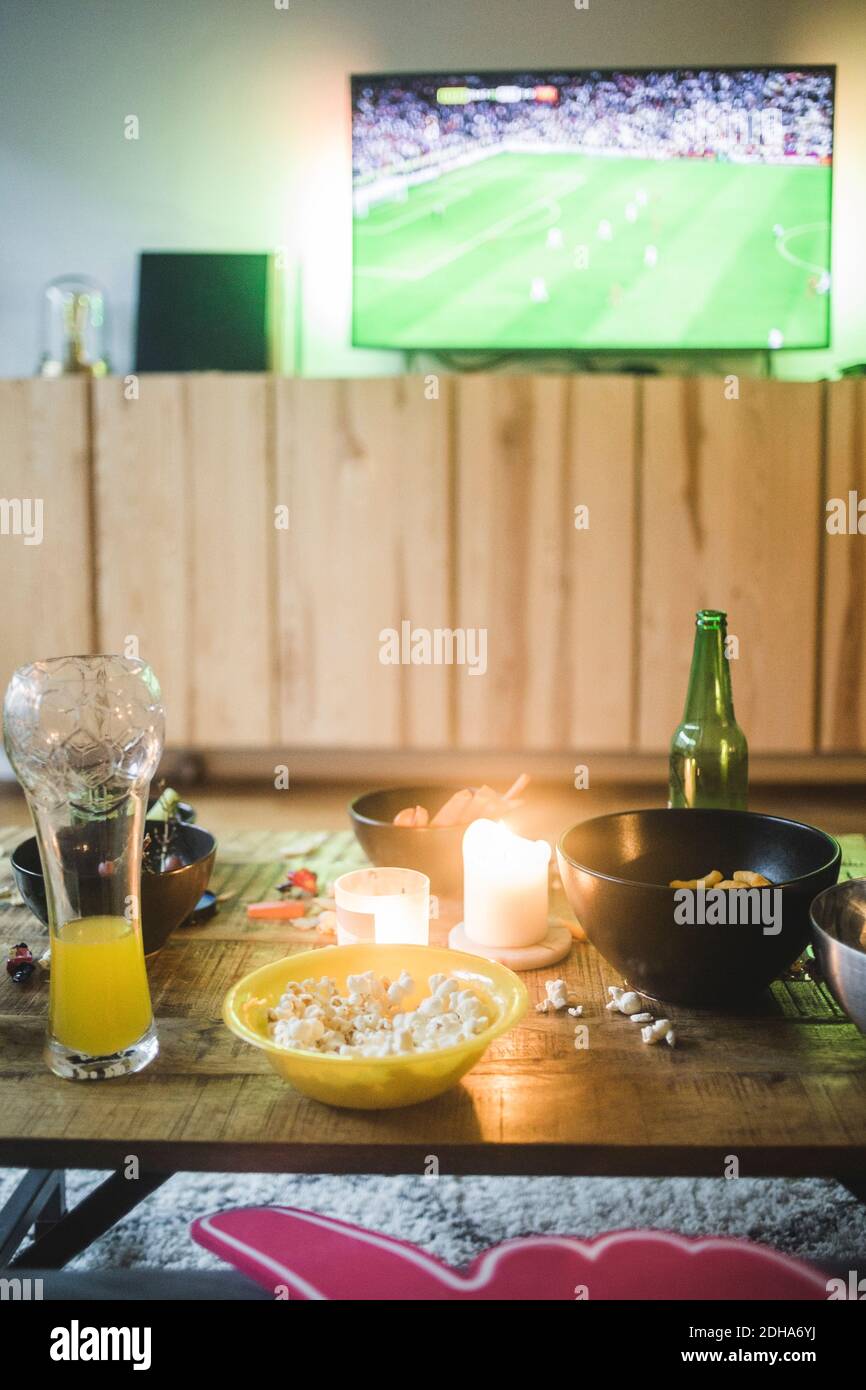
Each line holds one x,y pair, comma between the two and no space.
566,251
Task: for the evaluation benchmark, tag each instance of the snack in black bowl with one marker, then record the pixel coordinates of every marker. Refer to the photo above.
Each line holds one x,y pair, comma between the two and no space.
617,872
422,828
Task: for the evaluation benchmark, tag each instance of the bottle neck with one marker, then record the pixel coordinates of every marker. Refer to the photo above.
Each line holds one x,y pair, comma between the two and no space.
709,694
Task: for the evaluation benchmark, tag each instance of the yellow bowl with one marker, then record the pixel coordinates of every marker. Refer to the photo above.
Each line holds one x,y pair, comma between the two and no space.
374,1083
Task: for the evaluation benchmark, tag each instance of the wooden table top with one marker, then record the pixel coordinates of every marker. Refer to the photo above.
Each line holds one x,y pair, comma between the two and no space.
782,1088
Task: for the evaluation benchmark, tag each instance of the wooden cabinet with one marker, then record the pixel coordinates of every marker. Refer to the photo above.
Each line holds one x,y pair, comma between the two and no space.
556,597
46,587
364,468
731,516
842,635
257,536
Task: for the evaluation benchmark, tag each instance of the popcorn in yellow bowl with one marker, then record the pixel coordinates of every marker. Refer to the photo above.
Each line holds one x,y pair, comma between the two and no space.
384,999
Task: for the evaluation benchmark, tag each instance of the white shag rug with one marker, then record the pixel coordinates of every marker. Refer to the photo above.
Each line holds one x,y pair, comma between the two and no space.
456,1218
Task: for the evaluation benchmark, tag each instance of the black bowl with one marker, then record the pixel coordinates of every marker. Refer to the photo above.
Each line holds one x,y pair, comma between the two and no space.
615,870
167,899
434,850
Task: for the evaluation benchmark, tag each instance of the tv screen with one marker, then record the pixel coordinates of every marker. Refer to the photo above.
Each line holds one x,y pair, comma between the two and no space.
663,209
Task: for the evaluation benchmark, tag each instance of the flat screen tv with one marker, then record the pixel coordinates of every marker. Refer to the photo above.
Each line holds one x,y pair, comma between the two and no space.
592,211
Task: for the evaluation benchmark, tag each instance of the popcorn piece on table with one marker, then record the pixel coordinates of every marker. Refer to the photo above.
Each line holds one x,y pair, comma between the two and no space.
629,1003
655,1032
615,995
557,993
327,923
558,997
624,1001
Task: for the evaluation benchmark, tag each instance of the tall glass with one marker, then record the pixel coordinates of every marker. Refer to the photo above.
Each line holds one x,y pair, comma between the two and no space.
84,735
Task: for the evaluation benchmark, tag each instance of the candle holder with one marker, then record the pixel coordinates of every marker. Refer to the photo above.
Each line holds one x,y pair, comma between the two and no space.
382,905
505,900
84,736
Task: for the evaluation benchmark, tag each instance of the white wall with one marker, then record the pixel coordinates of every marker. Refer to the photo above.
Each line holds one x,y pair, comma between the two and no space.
244,115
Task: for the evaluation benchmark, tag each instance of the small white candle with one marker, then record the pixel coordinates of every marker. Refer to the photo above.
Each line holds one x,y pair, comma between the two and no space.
504,886
383,905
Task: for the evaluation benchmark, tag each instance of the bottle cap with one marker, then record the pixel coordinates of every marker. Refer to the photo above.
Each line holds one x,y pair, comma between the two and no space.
710,618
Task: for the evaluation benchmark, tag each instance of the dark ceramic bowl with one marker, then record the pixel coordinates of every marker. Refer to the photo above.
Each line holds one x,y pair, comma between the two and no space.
615,871
434,850
839,939
167,899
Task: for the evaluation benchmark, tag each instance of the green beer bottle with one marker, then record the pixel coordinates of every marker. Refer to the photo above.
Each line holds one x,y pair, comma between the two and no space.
709,761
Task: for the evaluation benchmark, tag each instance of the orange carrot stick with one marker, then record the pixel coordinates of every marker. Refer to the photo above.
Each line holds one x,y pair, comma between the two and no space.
283,910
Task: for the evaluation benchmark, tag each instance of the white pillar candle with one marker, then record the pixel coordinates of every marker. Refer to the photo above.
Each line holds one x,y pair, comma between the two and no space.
504,886
383,905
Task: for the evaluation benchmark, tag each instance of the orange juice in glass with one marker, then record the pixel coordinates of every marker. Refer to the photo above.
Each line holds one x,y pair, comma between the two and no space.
84,735
100,1001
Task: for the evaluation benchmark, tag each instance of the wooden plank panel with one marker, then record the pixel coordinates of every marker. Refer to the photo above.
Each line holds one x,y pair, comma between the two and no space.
143,533
556,601
47,587
731,519
364,469
843,703
231,653
600,621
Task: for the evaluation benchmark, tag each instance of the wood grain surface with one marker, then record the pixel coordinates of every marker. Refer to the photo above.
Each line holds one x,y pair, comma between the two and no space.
555,600
454,509
782,1087
732,516
363,467
231,655
47,588
144,533
843,710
